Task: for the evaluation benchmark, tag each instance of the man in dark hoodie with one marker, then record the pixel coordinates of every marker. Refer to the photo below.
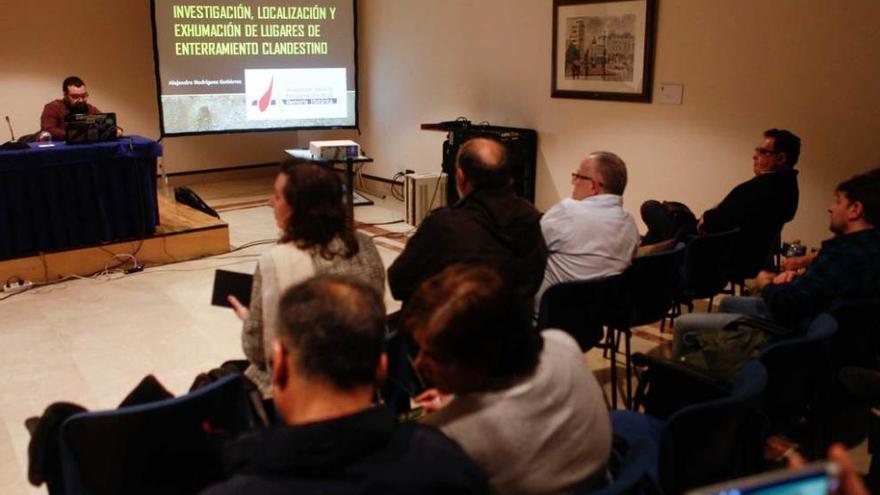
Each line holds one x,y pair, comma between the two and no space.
490,225
327,358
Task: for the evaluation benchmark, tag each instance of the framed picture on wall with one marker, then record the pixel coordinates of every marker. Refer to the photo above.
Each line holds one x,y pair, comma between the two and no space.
603,49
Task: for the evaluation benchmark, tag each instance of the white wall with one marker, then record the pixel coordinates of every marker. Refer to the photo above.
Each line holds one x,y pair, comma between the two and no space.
807,65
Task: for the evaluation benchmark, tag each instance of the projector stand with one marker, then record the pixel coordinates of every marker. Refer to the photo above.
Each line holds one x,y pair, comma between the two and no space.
354,199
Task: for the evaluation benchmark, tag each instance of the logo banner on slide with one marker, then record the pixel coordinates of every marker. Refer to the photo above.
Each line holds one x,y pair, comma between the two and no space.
279,94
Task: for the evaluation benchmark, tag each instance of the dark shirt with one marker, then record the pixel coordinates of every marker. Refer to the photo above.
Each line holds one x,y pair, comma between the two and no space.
759,207
847,268
54,115
489,226
366,452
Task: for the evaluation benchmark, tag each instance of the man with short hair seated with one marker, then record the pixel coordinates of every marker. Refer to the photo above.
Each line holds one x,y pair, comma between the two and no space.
526,407
53,120
590,235
759,206
490,225
846,268
327,359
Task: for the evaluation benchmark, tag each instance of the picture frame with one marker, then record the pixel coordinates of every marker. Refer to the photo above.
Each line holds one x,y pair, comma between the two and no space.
603,49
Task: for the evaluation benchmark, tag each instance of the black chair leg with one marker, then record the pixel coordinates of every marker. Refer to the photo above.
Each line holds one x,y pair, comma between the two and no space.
629,394
613,380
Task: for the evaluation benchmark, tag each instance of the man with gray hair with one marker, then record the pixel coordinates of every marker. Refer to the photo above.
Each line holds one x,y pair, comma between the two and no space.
590,235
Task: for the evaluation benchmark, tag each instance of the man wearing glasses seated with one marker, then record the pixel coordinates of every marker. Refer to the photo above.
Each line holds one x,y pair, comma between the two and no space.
590,235
75,100
759,206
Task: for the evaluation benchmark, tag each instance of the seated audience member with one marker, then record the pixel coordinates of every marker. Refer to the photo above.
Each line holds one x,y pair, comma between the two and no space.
526,407
846,268
759,207
317,237
490,225
327,359
590,235
75,100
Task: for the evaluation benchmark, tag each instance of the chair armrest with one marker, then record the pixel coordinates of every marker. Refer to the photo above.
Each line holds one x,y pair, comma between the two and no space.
666,386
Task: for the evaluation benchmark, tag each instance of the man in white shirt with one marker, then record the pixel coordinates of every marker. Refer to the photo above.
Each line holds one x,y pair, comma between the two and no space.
590,235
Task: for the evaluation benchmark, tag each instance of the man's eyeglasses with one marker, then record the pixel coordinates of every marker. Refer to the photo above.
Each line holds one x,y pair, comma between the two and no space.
575,175
765,151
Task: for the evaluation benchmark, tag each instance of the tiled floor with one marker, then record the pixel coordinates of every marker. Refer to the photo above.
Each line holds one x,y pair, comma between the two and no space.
90,341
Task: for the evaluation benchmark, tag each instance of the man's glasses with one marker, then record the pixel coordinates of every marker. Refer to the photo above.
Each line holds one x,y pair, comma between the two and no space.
765,151
575,175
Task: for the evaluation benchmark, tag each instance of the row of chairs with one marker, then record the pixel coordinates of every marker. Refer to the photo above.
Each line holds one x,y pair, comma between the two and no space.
703,430
599,312
710,439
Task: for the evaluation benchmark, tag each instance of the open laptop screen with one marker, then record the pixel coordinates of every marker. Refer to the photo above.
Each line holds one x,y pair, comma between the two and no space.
94,128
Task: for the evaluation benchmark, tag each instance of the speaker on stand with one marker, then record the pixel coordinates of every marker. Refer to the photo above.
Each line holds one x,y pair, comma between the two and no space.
521,144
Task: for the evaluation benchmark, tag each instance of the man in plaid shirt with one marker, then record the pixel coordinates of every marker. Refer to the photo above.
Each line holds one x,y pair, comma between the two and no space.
846,268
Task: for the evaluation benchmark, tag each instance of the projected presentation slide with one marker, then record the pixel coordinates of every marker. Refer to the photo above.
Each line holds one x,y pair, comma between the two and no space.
225,66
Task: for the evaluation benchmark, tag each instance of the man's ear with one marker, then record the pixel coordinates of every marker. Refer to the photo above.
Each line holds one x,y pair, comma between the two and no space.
856,211
382,368
781,160
280,371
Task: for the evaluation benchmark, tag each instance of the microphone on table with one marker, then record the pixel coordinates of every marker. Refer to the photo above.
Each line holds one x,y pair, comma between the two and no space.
12,144
9,124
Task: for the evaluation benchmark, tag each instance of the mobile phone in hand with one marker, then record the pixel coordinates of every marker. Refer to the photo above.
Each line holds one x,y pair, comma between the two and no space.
818,478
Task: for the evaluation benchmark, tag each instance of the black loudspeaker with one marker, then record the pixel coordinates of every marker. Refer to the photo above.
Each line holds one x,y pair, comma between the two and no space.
522,149
189,197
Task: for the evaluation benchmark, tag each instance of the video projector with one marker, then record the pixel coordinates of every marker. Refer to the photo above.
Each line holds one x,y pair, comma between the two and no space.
334,150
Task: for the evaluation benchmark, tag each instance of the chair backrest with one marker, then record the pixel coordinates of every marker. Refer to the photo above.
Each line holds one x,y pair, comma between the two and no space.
753,251
652,282
168,446
857,341
629,466
797,371
706,264
717,440
583,308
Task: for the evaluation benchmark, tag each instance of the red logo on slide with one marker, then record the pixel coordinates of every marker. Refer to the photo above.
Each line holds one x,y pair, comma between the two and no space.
267,96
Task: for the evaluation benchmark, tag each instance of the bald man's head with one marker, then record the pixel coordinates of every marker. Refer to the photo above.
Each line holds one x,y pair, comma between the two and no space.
483,164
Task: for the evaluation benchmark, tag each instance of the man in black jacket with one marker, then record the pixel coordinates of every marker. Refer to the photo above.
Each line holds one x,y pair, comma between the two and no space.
759,207
326,360
490,225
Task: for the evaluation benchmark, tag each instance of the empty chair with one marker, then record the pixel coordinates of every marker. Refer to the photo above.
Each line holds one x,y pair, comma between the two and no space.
584,309
841,416
652,283
169,446
799,372
706,442
705,269
753,251
857,343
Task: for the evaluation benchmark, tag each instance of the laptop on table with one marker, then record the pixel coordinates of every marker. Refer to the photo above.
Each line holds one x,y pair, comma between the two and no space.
81,128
